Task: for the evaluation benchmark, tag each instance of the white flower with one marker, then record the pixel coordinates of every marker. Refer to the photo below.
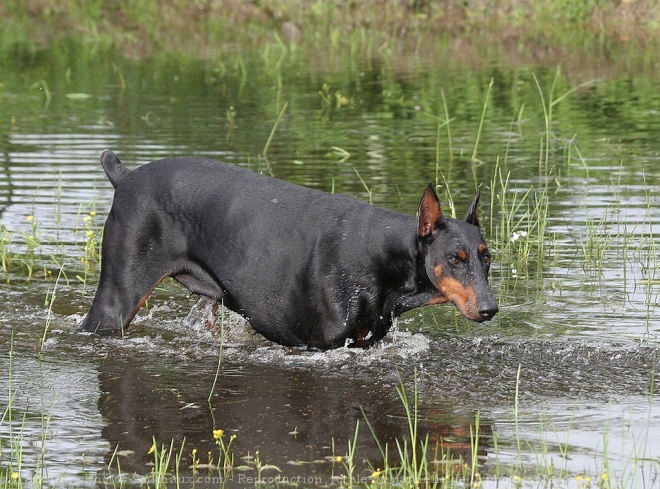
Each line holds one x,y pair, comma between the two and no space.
518,234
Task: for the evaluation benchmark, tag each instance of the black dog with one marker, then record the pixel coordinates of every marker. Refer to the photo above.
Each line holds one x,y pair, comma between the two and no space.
305,268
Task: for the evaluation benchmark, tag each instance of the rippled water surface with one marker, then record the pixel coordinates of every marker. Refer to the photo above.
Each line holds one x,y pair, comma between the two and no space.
561,383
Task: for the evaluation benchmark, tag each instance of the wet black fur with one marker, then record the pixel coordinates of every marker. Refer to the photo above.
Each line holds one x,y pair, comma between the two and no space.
306,268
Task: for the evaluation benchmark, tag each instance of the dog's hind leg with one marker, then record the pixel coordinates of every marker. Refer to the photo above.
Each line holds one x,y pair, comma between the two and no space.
130,271
118,298
115,305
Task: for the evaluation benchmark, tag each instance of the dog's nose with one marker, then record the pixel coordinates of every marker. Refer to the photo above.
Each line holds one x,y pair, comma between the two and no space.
487,311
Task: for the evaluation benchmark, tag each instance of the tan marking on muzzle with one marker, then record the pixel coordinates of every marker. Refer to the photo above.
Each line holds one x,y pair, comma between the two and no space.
464,298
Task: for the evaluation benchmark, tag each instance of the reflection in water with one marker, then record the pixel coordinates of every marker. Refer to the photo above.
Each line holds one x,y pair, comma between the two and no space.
292,417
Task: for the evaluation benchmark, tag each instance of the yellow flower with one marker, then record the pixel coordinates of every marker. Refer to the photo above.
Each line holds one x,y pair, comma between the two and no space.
194,452
152,449
217,434
15,475
29,218
87,218
90,234
92,213
337,458
605,477
376,473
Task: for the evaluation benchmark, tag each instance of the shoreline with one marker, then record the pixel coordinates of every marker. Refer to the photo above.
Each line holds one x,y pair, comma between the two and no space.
524,30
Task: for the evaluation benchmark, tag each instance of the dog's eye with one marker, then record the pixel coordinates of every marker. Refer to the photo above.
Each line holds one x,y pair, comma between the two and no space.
459,257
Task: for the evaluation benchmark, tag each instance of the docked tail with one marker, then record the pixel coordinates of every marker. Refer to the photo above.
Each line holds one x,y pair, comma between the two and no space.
113,168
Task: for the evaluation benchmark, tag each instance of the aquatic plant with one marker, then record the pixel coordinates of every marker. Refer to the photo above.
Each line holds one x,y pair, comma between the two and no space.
419,463
10,469
226,456
23,254
254,463
264,153
5,249
162,457
349,460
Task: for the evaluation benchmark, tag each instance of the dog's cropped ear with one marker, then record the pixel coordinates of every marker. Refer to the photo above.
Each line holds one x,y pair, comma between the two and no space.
429,214
471,217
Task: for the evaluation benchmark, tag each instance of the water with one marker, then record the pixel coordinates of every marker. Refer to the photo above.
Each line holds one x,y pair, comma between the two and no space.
561,381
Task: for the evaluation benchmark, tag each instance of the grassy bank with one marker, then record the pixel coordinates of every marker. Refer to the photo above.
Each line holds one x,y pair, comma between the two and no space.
203,27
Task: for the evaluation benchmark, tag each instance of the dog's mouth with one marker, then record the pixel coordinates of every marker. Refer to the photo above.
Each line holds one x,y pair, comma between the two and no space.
473,305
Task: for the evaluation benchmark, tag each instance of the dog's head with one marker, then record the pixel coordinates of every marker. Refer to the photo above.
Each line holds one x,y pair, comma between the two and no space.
456,258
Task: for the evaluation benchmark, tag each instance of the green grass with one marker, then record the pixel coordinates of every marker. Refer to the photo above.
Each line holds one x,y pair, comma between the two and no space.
11,458
26,255
369,28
